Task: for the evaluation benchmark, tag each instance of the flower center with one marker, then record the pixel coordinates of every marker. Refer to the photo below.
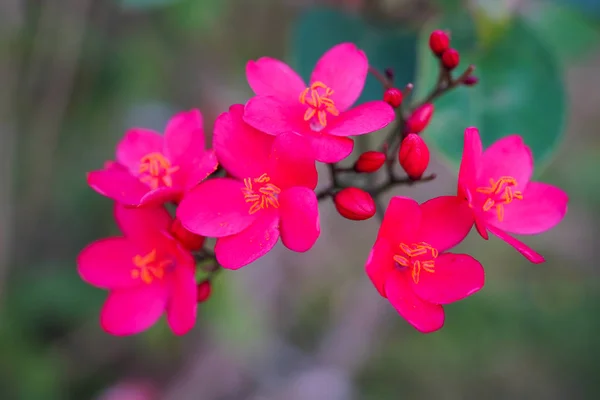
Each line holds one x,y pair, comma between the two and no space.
418,257
148,267
500,193
260,193
318,99
156,170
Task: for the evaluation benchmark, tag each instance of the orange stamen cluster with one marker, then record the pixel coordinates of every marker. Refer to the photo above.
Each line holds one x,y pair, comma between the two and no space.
264,196
148,267
412,257
500,193
156,170
319,104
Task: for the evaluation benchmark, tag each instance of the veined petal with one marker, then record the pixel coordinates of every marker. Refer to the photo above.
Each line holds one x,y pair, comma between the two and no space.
108,263
299,225
270,115
270,77
292,162
508,156
380,265
426,317
119,185
330,149
521,247
365,118
136,144
344,69
543,207
182,305
216,208
242,150
455,277
236,251
445,222
401,221
131,311
471,161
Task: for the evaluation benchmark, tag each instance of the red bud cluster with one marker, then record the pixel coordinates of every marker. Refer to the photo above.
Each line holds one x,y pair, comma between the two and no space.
420,118
439,43
414,156
393,96
369,161
355,204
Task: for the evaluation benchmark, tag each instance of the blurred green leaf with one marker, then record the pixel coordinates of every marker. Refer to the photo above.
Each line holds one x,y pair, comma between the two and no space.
143,4
320,29
570,34
520,91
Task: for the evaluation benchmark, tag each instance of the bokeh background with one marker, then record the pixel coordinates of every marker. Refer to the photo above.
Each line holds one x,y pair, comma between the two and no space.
75,74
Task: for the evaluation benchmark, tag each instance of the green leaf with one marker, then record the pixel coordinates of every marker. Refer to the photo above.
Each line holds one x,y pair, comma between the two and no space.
320,29
144,4
520,91
570,34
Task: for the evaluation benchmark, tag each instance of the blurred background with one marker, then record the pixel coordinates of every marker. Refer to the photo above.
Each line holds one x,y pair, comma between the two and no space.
75,74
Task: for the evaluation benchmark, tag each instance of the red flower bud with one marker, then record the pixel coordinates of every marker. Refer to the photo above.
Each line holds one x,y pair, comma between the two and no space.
203,291
439,41
369,161
354,204
414,156
393,97
189,240
420,118
471,80
450,59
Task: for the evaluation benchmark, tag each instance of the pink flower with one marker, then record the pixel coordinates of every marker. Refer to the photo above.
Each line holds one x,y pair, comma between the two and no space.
321,110
270,192
146,271
153,169
408,265
496,184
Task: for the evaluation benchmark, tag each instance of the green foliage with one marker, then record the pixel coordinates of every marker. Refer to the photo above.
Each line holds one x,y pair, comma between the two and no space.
520,91
144,4
320,29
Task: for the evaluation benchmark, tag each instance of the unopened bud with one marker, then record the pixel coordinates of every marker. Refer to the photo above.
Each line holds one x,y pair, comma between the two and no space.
389,73
369,161
420,118
414,156
439,41
471,80
189,240
393,96
450,59
355,204
203,291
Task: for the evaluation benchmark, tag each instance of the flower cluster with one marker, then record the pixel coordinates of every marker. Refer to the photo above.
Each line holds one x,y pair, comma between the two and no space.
256,185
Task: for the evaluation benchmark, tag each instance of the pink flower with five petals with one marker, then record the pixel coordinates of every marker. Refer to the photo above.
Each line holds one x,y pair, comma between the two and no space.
147,272
322,110
408,264
153,169
270,192
497,186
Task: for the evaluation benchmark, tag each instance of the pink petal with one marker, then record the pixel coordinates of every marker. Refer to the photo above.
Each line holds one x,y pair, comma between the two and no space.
119,185
299,211
521,247
270,77
236,251
365,118
543,206
424,316
201,169
481,228
292,162
344,69
330,149
401,221
161,196
273,116
445,222
136,144
131,311
242,150
181,309
184,138
508,156
108,263
380,265
471,161
138,223
215,208
455,277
